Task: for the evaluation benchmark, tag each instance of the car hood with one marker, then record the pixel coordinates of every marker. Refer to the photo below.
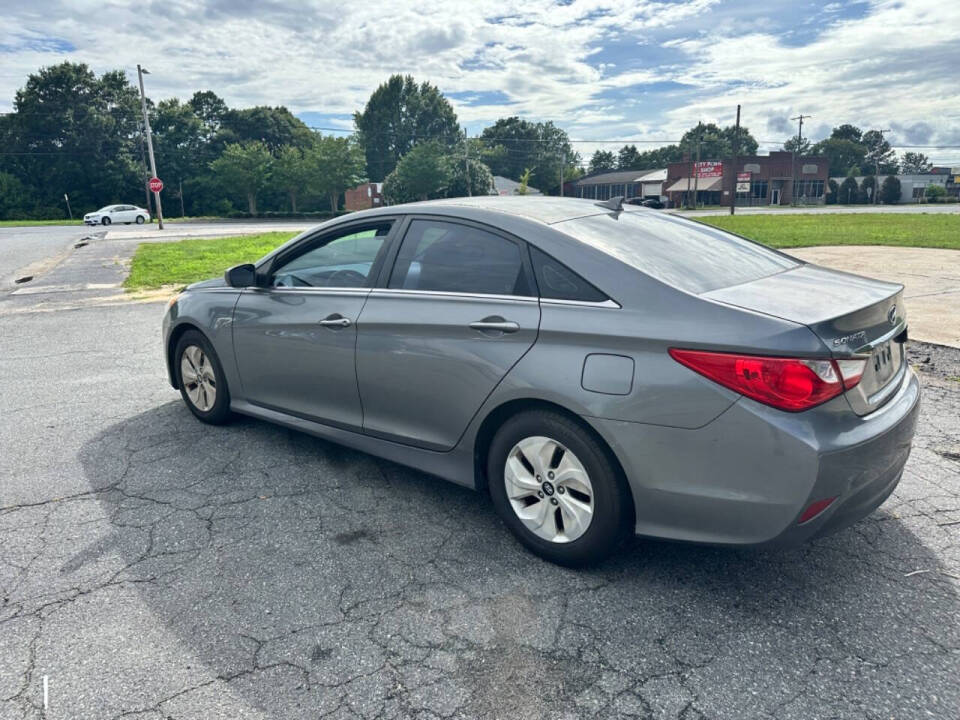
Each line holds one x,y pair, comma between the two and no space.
205,284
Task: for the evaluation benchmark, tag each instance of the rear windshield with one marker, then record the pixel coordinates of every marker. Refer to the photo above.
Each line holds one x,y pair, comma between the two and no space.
690,257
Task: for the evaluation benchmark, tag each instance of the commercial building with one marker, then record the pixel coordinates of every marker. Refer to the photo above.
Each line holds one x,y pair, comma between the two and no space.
913,188
775,179
364,197
625,183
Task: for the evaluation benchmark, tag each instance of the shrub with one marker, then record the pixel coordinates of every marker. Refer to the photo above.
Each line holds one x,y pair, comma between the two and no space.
890,190
849,191
833,197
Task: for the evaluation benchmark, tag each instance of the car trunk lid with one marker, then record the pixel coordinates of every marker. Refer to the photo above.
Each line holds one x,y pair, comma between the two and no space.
854,316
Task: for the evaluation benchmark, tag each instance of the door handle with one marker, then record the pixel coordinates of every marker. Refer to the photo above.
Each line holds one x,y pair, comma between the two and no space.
335,321
495,324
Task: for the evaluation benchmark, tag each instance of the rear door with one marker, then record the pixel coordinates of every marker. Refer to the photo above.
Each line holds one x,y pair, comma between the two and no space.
456,311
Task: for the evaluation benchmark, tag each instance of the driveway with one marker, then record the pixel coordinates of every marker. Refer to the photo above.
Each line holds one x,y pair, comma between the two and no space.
931,280
156,568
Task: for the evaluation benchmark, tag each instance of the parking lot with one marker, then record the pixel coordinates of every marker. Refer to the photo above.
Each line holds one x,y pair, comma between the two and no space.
154,567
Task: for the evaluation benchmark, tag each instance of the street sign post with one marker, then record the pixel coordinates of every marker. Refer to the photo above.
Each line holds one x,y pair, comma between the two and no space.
155,184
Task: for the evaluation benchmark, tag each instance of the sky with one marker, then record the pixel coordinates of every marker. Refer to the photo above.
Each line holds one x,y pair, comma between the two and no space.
604,70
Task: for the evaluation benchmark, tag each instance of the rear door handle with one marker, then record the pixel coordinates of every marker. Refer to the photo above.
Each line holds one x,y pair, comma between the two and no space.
335,321
498,325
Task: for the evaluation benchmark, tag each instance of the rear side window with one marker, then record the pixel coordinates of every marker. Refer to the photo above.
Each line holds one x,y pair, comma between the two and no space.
558,282
692,257
449,257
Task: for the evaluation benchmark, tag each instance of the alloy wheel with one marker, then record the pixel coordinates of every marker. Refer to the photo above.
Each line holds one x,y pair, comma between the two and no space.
549,489
198,378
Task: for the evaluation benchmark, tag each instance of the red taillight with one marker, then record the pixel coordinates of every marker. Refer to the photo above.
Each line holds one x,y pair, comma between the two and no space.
814,509
791,384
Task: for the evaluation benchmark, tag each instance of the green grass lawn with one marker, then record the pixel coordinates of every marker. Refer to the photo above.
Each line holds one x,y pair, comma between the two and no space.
37,223
187,261
787,231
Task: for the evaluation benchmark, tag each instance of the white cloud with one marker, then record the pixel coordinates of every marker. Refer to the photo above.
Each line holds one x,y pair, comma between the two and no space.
896,64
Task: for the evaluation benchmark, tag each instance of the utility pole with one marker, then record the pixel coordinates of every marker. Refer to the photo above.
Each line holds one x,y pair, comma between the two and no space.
876,166
696,167
736,151
146,125
466,159
793,158
143,161
563,161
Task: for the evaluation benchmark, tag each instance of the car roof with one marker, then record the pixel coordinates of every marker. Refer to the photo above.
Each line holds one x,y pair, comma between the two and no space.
543,208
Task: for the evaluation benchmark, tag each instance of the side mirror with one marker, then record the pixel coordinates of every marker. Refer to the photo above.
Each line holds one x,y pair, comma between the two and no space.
241,276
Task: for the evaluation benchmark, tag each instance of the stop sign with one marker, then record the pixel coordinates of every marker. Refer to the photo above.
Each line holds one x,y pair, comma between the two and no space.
155,184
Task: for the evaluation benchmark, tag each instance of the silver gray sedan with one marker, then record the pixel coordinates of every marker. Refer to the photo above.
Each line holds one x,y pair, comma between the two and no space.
598,369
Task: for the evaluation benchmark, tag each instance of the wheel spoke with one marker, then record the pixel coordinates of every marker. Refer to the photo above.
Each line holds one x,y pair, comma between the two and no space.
549,489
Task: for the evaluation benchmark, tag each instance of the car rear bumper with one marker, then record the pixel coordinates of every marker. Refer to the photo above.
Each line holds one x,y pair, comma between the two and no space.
747,477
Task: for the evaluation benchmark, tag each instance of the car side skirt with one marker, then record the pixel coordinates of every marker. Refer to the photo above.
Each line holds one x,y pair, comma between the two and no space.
455,465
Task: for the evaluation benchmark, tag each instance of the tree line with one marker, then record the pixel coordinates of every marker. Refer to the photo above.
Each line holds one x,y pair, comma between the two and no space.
73,132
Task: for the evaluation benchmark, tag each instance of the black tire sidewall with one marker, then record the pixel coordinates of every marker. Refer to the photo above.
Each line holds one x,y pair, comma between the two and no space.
105,221
220,411
611,516
140,220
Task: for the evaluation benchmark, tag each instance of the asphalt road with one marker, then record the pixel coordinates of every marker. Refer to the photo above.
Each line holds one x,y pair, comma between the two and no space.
156,568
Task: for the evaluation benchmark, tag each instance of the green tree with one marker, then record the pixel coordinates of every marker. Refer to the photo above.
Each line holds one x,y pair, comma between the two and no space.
833,196
399,114
849,191
842,154
16,202
879,154
524,182
337,164
890,190
421,174
868,186
272,126
513,145
291,173
934,193
480,178
716,143
178,144
73,132
800,148
601,161
914,163
244,168
628,158
847,132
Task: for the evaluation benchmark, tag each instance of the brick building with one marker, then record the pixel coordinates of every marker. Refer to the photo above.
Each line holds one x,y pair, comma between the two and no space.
363,197
774,179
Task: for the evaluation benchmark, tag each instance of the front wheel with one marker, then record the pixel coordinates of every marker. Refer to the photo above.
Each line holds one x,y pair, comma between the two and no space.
140,219
105,221
557,489
201,379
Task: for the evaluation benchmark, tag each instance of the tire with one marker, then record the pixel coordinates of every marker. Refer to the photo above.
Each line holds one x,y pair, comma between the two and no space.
140,220
194,351
104,221
561,538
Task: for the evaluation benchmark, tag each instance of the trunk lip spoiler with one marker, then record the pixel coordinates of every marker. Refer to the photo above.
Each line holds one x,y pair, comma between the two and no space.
864,351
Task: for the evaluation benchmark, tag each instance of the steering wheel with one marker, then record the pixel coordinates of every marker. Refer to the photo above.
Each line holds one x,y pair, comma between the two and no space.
346,278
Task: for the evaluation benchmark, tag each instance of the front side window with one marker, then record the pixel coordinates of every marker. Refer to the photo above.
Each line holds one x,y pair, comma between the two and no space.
442,256
343,261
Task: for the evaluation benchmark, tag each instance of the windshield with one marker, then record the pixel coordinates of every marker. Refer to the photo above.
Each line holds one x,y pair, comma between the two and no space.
690,257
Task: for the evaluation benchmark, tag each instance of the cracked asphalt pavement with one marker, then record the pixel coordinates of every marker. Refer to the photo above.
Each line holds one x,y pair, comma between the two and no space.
153,567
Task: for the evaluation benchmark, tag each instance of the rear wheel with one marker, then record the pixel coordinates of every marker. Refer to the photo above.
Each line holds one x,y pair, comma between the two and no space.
105,221
200,376
556,488
140,219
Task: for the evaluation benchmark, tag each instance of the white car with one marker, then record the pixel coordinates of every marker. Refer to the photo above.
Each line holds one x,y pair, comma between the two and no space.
117,214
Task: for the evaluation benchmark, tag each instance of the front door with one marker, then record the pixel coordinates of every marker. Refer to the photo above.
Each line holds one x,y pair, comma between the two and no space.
295,340
458,312
775,196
